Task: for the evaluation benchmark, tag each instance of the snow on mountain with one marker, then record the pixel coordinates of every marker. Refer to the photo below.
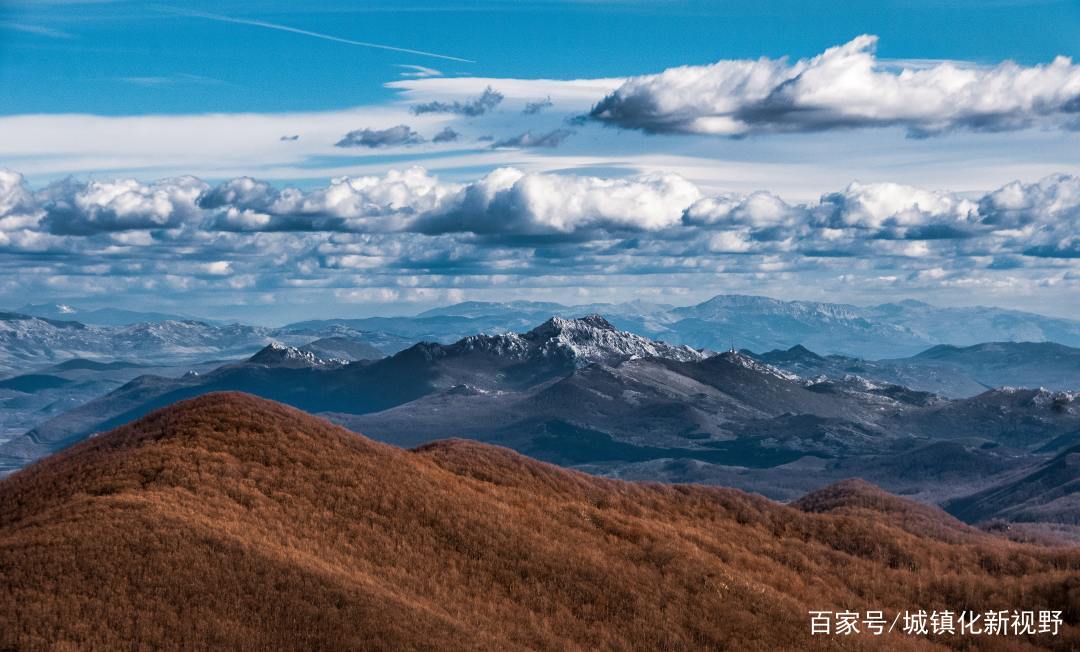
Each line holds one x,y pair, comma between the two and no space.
747,362
276,354
27,342
591,339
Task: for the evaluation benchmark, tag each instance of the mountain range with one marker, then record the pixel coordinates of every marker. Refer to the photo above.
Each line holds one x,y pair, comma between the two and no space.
41,335
947,370
584,394
229,522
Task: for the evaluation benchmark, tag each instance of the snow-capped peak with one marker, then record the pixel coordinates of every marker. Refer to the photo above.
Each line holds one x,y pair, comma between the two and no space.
594,339
590,339
280,355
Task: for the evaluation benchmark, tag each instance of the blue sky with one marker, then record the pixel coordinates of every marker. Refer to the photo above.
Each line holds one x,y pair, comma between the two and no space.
256,160
81,52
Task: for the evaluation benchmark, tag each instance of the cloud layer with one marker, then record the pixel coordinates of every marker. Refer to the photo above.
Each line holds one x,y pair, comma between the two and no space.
409,235
845,87
1034,219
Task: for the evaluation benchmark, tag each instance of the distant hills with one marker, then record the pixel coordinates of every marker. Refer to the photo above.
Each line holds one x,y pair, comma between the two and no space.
948,370
100,316
584,394
637,392
760,324
40,335
229,522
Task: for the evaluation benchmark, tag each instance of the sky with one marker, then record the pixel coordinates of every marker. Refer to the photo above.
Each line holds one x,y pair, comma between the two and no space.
266,161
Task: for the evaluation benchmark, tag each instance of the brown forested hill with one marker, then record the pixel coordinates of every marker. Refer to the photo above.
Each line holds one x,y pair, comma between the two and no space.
230,522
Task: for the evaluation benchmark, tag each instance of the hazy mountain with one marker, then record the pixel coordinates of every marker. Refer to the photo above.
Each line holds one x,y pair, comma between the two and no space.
101,316
254,526
28,342
747,322
948,370
343,348
29,400
755,323
888,330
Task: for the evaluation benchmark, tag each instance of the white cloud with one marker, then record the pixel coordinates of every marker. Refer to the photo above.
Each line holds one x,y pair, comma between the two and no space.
845,86
73,208
409,235
513,202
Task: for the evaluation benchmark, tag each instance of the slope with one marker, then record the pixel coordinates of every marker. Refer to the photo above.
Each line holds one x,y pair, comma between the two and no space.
229,522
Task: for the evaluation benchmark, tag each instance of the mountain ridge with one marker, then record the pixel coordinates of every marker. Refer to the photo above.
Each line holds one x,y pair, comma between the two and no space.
229,521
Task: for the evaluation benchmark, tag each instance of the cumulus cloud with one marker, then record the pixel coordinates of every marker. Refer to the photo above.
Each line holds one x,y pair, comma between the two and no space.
477,106
447,135
407,232
529,139
509,201
368,203
399,135
15,197
662,217
532,108
845,87
83,208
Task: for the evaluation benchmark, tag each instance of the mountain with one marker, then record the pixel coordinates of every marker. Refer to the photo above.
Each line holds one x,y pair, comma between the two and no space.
997,364
747,322
494,363
27,341
887,330
276,354
343,348
948,370
583,394
228,522
1050,493
1026,419
100,316
760,324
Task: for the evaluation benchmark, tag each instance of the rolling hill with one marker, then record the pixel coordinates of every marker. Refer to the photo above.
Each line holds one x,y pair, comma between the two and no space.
230,522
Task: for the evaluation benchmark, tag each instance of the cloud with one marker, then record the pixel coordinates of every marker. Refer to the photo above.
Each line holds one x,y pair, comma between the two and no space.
399,135
77,208
447,135
304,32
15,196
37,30
1019,219
369,203
529,139
532,108
509,201
477,106
845,87
418,72
410,233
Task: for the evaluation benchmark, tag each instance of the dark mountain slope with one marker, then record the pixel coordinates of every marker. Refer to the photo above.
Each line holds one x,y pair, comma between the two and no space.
231,522
1049,494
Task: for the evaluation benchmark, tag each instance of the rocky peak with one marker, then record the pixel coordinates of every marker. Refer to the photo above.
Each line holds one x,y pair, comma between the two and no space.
276,354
